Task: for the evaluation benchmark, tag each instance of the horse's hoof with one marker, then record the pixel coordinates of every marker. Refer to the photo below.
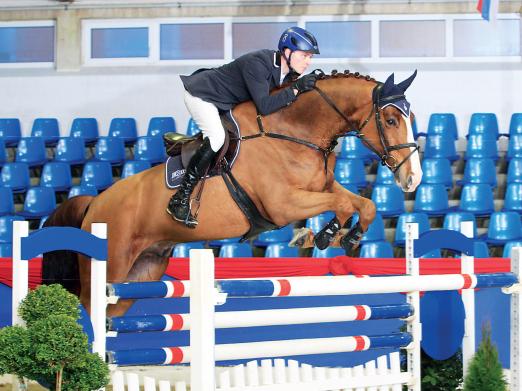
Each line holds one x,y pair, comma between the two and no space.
351,240
325,236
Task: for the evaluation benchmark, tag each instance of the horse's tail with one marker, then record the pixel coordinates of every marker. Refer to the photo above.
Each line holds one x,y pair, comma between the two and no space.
61,267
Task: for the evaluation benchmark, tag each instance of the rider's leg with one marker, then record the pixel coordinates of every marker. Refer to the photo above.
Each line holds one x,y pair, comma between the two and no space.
207,118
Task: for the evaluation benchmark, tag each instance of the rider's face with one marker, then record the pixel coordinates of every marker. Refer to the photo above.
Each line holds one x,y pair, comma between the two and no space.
300,60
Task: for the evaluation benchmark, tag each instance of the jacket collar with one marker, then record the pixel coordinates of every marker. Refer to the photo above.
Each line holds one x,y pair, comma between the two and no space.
276,70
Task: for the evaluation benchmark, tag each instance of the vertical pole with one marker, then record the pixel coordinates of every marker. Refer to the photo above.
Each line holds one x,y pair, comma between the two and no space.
20,269
414,326
516,324
98,295
467,266
202,333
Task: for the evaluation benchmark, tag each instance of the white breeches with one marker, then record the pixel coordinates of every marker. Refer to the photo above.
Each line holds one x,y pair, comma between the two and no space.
206,116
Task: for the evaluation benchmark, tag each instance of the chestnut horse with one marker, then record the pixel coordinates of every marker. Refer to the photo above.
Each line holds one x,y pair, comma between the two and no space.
287,180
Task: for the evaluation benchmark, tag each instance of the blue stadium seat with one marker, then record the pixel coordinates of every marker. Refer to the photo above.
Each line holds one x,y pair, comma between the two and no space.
158,126
481,146
380,249
124,128
3,153
514,147
443,124
477,198
513,198
431,199
388,199
85,128
6,250
192,128
515,124
316,223
440,147
235,250
384,176
506,253
56,175
47,129
484,123
221,242
181,250
514,172
281,250
6,227
39,202
452,221
350,171
350,187
480,249
480,171
70,150
432,254
110,149
415,129
150,149
132,167
31,150
10,131
328,252
97,174
16,177
282,235
6,201
82,190
421,219
437,171
375,232
503,227
353,148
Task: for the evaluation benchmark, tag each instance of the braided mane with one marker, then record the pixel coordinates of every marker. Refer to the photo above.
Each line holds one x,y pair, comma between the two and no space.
346,73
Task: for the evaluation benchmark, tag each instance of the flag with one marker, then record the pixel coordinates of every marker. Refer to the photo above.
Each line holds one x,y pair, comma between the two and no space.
488,9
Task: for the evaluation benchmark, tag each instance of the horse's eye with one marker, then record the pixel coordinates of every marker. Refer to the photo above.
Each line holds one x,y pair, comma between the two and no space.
391,122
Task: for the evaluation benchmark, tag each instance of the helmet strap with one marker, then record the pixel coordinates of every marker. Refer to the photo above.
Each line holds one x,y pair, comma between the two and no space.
287,59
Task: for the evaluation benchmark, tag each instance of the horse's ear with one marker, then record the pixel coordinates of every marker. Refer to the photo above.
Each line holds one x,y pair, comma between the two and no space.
389,83
403,85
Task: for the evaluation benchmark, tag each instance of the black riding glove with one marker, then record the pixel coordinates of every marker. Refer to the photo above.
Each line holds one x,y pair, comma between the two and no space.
305,83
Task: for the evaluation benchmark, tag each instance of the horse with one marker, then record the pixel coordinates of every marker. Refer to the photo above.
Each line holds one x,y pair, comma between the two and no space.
285,166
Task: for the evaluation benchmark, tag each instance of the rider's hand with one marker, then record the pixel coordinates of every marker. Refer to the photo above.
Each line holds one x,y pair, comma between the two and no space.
305,83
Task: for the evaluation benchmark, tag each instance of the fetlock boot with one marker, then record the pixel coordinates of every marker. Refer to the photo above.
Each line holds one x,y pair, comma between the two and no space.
179,204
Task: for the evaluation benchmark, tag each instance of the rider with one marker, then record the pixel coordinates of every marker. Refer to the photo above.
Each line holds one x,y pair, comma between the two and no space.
249,77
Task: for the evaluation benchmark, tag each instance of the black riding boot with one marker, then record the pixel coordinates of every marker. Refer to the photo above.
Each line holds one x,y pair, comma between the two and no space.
179,204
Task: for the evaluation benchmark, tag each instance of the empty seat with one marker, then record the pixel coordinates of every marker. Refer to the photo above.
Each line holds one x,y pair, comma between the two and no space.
484,123
380,249
124,128
480,171
481,146
477,198
70,150
353,148
513,197
15,176
506,253
281,250
3,153
504,227
235,250
182,250
480,249
514,147
440,147
110,149
85,128
415,129
47,129
282,235
56,175
6,250
328,252
132,167
388,199
192,128
158,126
31,150
431,199
514,172
97,174
6,227
39,202
82,190
10,131
221,242
437,171
384,176
6,201
453,219
150,149
375,231
515,124
421,219
443,124
350,171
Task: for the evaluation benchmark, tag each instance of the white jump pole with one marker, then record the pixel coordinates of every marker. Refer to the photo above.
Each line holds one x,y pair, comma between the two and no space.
20,269
98,296
516,323
467,266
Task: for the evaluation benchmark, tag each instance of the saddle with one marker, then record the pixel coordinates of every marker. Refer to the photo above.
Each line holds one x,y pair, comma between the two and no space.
180,149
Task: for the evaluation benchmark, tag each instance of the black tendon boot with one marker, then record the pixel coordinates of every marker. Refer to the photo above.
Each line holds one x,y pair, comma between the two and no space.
179,204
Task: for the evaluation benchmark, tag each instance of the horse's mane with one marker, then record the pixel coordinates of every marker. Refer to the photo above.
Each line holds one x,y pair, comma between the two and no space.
345,74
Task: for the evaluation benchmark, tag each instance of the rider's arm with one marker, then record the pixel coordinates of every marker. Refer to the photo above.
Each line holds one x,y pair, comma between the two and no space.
256,76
